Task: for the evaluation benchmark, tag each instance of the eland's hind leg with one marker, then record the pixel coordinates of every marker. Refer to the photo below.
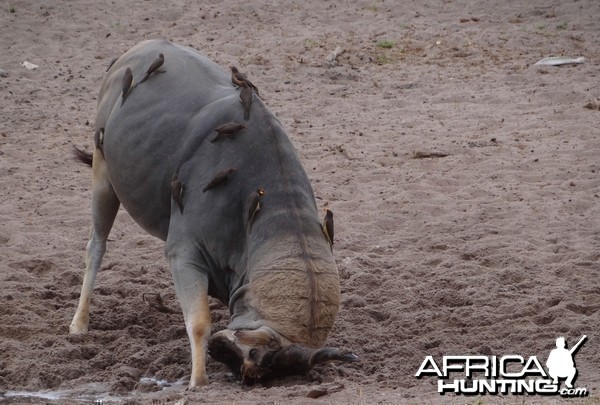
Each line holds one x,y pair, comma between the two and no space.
105,205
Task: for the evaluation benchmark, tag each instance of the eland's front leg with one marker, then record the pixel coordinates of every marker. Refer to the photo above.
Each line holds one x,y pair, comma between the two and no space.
105,205
191,285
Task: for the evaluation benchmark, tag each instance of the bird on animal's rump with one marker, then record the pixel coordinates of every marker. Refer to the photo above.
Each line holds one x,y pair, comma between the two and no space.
154,67
127,80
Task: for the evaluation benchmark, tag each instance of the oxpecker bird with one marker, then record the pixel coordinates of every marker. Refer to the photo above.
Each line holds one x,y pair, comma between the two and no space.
177,191
227,129
328,227
238,78
127,80
246,97
220,178
254,204
154,67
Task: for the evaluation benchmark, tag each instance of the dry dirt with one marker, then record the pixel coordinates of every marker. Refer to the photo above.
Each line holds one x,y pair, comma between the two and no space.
465,184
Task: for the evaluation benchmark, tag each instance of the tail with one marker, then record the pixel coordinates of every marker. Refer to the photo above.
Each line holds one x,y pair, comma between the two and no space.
83,156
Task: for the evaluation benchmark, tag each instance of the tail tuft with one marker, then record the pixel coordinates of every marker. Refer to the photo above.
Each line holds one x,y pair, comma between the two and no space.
83,156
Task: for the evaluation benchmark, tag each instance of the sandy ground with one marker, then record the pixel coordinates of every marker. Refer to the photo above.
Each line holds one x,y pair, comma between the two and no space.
491,249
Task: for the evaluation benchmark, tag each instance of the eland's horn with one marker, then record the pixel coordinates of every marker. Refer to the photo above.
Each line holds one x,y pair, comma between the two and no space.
296,359
329,353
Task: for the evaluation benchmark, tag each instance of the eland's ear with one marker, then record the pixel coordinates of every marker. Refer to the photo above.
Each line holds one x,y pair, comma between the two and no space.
256,338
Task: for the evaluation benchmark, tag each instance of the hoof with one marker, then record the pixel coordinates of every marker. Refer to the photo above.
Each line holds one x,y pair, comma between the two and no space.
77,329
201,382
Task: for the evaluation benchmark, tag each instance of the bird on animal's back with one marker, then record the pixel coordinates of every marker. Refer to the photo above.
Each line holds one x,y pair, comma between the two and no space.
219,178
126,85
246,97
227,129
238,78
154,67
